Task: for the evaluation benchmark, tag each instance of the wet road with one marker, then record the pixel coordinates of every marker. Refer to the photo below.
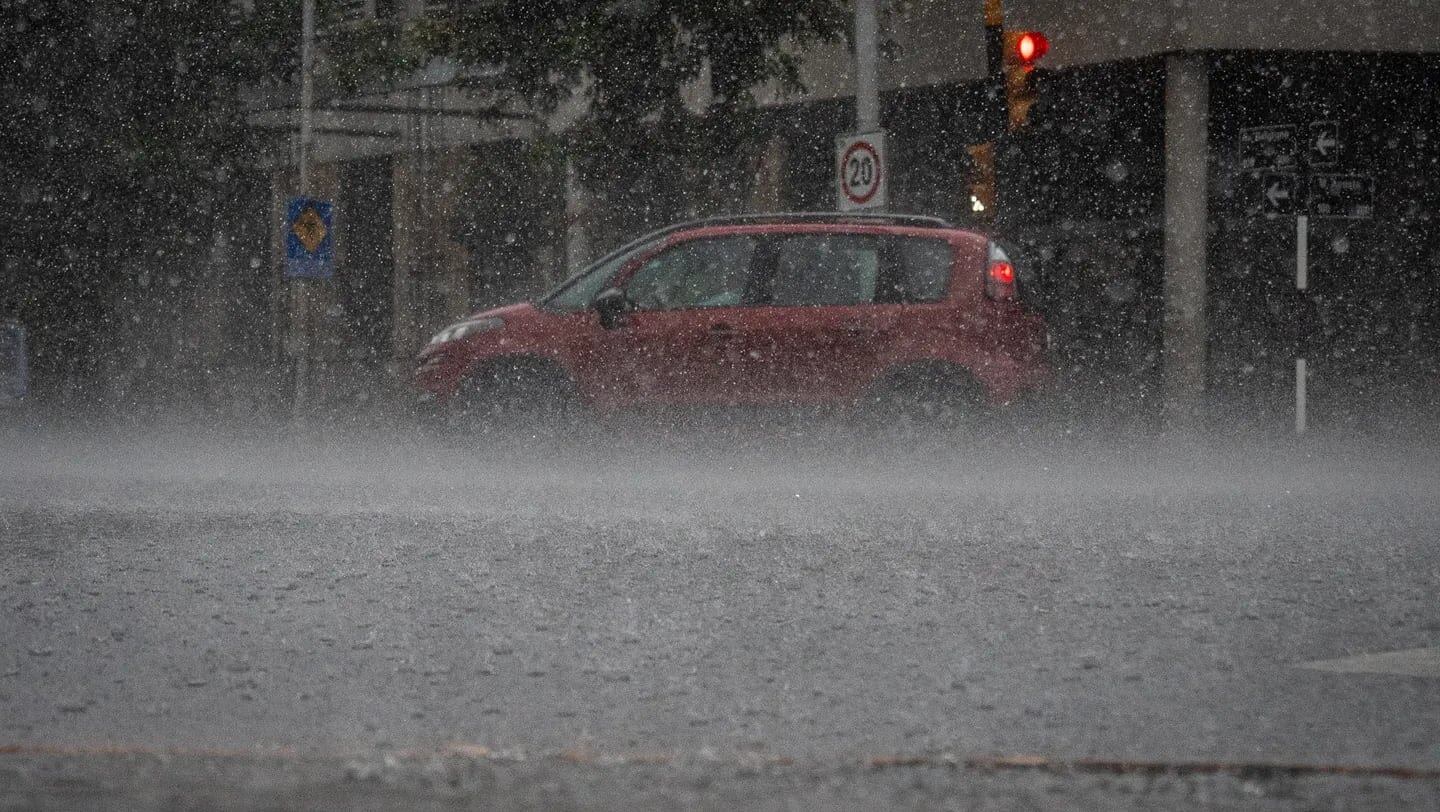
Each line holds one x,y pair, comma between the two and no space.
351,600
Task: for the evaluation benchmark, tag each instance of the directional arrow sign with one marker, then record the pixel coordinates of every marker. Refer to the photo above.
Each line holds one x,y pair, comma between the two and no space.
1277,193
1325,145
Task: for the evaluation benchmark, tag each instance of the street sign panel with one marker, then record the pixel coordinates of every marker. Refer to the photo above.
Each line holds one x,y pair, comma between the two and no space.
861,171
1325,144
1268,148
309,239
1350,196
1278,193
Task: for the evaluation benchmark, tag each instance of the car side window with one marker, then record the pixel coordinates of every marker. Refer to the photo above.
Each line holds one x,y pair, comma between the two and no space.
700,273
925,267
825,269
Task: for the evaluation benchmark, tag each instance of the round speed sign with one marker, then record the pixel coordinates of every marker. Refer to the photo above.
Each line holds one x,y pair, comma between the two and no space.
861,173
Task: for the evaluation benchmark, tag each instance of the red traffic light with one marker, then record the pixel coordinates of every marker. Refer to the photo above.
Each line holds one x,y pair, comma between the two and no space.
1030,46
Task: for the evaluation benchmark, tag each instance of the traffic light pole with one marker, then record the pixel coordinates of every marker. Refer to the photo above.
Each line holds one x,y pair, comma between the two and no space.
984,185
998,112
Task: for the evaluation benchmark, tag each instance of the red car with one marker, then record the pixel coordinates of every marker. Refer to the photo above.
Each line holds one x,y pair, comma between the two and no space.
812,309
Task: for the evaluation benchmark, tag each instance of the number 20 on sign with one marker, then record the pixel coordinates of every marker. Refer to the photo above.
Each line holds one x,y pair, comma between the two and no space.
861,171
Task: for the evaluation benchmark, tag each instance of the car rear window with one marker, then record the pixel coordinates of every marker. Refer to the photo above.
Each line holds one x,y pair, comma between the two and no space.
924,270
850,269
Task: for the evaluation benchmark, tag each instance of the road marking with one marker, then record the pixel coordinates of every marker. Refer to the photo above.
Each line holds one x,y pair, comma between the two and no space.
1414,662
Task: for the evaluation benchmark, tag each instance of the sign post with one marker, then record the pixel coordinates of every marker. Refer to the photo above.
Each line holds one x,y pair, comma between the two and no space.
1302,281
860,168
1303,180
309,255
307,226
861,172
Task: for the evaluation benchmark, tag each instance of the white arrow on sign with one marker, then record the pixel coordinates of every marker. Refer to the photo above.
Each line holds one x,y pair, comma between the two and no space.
1325,143
1276,193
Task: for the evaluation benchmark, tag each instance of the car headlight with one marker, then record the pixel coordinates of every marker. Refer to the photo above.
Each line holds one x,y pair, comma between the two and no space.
455,332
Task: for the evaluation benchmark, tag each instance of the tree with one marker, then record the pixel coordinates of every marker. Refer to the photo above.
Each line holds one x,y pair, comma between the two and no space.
631,64
123,141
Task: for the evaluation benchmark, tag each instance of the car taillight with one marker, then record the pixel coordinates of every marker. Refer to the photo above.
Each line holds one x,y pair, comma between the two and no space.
1000,284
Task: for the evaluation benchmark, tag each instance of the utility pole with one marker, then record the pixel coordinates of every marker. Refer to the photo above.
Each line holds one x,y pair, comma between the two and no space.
867,91
307,89
300,302
861,162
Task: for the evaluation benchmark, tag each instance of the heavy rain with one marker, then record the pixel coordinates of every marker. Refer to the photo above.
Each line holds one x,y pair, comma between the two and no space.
738,404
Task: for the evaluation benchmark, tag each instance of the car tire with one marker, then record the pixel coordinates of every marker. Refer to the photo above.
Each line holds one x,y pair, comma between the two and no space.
924,401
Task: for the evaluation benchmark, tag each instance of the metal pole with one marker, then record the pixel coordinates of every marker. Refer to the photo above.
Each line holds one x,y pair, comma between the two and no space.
301,301
997,111
1302,252
307,89
1302,281
1301,372
867,95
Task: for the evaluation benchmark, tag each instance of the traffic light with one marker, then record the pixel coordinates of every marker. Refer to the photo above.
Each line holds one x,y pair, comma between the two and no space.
1023,49
1029,47
982,182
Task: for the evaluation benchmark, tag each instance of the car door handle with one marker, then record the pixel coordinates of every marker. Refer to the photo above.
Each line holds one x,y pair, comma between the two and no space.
721,331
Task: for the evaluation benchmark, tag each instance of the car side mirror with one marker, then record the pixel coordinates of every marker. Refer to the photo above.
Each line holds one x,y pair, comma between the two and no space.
611,304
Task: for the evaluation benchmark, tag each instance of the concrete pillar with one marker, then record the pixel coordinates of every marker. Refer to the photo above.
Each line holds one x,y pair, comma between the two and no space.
432,278
577,221
1186,215
451,167
766,194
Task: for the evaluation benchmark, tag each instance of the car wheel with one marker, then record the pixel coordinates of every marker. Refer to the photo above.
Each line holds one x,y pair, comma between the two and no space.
924,401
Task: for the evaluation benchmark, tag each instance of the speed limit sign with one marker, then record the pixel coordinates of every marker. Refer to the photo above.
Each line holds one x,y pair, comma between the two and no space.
861,171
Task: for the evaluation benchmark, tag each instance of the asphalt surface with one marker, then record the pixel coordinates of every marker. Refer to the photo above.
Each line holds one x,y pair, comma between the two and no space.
250,621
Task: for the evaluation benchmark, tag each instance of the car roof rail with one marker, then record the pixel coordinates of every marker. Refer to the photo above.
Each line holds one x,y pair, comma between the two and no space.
912,220
885,218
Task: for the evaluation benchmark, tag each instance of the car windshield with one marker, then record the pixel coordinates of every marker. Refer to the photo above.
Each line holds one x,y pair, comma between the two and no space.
577,292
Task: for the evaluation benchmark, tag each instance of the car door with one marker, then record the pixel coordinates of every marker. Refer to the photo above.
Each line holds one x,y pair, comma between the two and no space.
674,344
819,335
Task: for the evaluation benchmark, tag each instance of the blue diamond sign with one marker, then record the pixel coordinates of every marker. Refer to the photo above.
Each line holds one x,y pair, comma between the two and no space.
309,239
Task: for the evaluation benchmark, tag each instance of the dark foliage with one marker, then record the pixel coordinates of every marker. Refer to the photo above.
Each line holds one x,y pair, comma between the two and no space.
659,92
123,136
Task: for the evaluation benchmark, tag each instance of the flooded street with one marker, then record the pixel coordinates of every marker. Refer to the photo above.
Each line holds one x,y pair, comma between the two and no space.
371,601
